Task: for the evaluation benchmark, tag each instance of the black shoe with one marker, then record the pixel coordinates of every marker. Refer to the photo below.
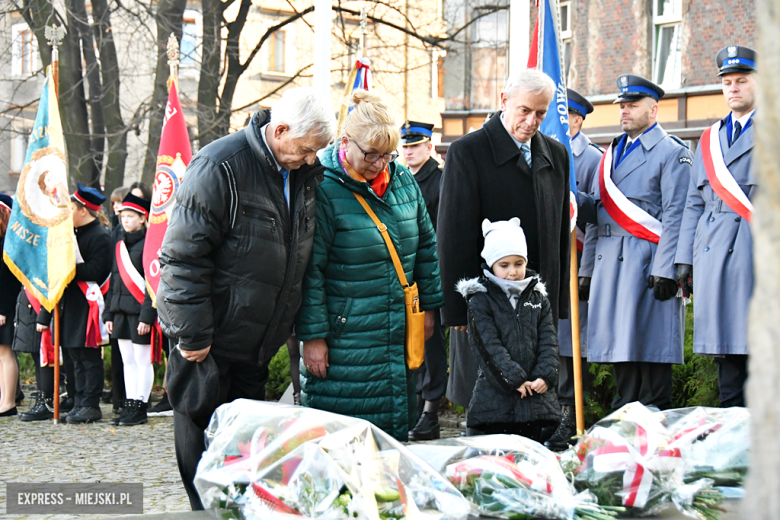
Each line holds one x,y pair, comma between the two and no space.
567,430
163,408
427,428
126,409
66,405
85,415
119,410
136,416
9,413
41,410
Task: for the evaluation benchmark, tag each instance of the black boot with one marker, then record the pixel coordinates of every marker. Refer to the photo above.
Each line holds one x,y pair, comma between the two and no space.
136,416
420,406
567,430
427,427
126,410
164,407
42,410
66,405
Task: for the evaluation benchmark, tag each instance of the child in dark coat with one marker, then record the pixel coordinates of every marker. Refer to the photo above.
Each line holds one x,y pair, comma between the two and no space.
129,314
513,337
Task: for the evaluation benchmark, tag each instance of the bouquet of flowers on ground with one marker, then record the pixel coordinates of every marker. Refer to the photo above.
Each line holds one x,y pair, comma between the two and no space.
714,442
512,477
266,460
629,458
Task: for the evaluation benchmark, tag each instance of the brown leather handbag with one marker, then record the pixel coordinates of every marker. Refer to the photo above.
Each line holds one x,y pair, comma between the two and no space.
415,317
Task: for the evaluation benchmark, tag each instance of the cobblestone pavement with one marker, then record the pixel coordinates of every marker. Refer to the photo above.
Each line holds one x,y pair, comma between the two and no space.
42,452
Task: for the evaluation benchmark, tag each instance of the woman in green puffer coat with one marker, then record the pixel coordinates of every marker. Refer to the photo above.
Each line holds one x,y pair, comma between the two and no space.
351,320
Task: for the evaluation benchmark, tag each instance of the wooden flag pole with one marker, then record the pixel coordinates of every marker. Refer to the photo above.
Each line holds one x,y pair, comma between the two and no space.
576,350
55,36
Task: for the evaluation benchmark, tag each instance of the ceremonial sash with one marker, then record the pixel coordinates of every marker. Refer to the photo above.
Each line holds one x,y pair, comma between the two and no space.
628,215
580,240
722,182
47,345
97,334
132,279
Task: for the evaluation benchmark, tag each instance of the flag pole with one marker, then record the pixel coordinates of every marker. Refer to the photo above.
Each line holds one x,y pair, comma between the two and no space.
55,36
576,350
173,61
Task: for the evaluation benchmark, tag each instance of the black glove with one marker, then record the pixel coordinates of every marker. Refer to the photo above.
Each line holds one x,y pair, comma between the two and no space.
663,288
584,284
684,275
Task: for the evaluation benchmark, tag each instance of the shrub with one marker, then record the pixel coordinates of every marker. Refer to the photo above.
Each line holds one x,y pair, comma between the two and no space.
278,375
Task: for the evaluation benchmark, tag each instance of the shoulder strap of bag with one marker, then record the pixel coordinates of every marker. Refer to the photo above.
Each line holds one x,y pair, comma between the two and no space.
383,230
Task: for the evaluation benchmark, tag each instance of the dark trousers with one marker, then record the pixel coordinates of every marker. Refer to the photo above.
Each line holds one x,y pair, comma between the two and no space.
732,374
431,377
530,430
88,372
237,380
566,381
648,383
44,376
117,375
294,352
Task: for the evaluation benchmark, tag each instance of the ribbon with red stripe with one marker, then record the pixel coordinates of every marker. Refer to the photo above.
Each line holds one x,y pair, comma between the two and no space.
157,339
97,334
47,344
130,276
628,215
721,180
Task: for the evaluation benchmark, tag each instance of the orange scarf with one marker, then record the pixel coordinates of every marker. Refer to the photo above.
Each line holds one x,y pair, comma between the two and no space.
380,182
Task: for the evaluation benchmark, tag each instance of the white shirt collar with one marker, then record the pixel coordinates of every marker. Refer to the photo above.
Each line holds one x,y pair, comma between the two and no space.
744,119
518,143
262,133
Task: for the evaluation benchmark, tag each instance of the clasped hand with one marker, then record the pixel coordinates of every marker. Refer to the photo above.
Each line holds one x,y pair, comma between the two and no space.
529,387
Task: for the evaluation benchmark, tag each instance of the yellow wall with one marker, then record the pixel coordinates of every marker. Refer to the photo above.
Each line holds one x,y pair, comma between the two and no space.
707,107
603,115
667,110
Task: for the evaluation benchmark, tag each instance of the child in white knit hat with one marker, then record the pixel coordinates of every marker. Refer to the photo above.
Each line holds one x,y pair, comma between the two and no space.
513,337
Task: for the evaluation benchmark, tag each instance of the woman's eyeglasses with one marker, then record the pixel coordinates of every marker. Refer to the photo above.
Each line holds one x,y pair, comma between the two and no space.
374,157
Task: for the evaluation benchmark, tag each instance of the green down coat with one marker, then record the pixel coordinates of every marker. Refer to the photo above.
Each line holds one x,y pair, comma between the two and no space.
353,299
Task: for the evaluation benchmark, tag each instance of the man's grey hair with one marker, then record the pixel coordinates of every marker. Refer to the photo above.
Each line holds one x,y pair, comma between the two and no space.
306,112
529,80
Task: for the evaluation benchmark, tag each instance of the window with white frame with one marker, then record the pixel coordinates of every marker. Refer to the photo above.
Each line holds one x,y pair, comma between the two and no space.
667,43
191,39
19,142
24,50
489,43
280,52
566,37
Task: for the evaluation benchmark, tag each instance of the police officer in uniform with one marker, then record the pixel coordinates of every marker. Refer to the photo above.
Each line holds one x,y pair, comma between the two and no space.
635,320
716,245
587,156
431,377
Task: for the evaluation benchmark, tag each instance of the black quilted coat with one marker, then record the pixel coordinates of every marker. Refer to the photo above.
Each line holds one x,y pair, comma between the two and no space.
512,347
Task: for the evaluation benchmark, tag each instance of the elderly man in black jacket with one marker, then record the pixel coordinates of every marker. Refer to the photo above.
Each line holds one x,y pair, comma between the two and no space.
235,254
505,169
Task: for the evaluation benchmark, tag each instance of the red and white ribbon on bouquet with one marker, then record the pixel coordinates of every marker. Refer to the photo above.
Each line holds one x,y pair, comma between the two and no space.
637,462
628,215
721,180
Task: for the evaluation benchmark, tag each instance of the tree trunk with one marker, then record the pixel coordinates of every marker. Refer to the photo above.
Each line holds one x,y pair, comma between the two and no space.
116,140
169,17
208,86
762,500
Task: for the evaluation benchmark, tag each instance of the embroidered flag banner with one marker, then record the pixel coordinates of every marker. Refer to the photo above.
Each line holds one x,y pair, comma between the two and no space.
39,244
544,55
174,154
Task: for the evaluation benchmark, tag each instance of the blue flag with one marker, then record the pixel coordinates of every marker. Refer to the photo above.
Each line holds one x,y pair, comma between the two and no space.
545,52
39,243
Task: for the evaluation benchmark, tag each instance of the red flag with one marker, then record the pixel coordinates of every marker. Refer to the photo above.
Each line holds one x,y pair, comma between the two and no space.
172,159
533,51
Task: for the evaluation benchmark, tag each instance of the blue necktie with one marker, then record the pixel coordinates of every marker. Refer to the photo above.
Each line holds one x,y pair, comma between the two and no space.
286,175
737,132
526,153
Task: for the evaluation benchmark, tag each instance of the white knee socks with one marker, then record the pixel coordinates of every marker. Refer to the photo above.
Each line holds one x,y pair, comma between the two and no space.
139,374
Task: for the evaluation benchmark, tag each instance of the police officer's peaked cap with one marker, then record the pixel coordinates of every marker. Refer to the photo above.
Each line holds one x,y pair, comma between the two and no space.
414,132
634,87
578,103
736,58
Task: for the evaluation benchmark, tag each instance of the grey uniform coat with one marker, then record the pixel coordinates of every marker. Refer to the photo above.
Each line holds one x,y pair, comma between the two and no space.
719,245
625,321
587,156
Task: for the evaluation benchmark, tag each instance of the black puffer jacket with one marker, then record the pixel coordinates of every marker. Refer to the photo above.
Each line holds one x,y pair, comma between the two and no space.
512,347
119,299
234,256
26,337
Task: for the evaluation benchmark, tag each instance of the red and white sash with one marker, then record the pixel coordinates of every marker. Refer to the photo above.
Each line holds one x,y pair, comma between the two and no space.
97,334
722,182
628,215
133,280
47,344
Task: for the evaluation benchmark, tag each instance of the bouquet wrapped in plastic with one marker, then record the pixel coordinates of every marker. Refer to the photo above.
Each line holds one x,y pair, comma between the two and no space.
510,476
266,460
714,442
630,458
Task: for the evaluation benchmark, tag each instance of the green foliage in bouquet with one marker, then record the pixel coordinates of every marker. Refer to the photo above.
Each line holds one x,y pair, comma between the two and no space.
278,375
